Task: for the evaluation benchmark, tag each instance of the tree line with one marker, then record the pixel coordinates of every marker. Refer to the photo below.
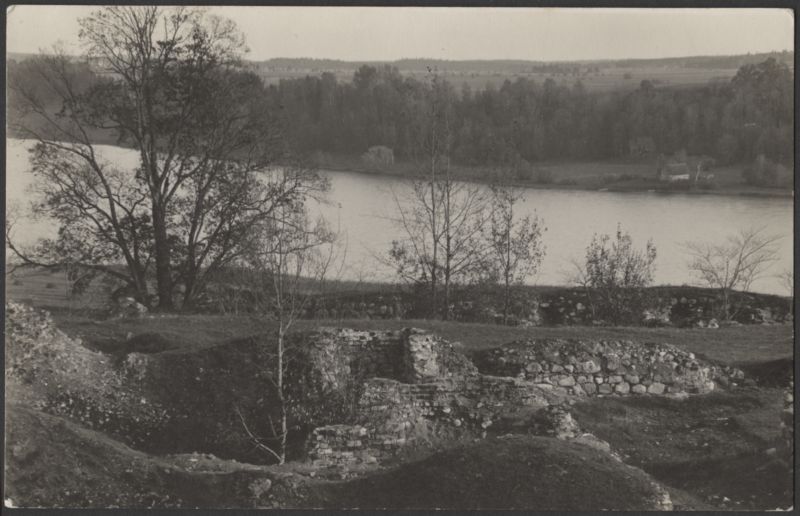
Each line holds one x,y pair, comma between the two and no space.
525,121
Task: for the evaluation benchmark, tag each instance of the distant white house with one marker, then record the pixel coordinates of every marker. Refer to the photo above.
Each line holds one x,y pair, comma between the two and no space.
688,169
672,178
673,172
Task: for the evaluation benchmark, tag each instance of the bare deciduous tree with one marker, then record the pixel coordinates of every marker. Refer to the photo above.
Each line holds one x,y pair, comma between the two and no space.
787,278
291,260
515,245
733,264
442,219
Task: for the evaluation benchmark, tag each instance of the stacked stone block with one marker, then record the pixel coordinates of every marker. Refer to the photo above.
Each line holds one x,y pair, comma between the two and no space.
605,367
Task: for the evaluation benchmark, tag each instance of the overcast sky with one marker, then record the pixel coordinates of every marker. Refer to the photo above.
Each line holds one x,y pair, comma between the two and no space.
380,33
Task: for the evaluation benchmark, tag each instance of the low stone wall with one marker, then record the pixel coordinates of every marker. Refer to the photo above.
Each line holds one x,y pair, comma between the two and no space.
393,414
605,367
655,306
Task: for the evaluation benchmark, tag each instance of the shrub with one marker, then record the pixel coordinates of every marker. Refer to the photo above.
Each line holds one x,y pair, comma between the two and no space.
765,172
616,274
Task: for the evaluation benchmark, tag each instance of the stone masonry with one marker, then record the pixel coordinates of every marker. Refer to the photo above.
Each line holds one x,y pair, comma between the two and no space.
415,388
587,368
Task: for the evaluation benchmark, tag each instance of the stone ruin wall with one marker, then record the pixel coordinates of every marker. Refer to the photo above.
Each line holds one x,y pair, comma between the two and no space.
431,391
414,385
411,386
606,367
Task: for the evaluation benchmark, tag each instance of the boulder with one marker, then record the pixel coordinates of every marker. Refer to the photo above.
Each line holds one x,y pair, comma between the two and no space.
656,388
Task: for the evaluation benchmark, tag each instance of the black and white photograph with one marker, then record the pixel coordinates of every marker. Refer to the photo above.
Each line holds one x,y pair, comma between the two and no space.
399,257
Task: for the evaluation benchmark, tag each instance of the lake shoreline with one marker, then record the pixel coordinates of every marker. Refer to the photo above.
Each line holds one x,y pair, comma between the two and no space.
725,192
471,176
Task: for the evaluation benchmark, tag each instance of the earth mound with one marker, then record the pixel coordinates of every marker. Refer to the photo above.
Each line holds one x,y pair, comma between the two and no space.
510,472
53,462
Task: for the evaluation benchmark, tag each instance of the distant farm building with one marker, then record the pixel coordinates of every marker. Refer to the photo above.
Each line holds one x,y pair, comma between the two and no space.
673,172
687,169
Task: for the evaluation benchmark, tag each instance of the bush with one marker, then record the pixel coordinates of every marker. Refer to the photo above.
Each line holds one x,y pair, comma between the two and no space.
378,157
617,275
767,173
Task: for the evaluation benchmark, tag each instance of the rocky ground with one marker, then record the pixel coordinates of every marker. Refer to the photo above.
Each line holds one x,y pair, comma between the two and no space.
717,438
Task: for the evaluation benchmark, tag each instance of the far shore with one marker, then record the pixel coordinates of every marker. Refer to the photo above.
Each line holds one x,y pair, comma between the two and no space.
565,179
592,176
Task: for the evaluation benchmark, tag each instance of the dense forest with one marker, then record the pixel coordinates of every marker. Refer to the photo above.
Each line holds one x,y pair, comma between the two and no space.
528,121
524,121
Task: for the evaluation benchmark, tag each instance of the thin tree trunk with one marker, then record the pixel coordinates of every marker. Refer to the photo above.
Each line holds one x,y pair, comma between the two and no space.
507,271
162,252
725,305
446,314
507,300
281,399
435,239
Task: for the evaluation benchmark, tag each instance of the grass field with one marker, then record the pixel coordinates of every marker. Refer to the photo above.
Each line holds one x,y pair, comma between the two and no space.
50,289
731,345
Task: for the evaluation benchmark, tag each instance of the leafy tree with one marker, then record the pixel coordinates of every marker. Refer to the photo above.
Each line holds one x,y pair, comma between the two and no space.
733,264
515,245
172,90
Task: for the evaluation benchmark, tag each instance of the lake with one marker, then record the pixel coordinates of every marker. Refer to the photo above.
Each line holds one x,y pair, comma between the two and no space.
362,205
